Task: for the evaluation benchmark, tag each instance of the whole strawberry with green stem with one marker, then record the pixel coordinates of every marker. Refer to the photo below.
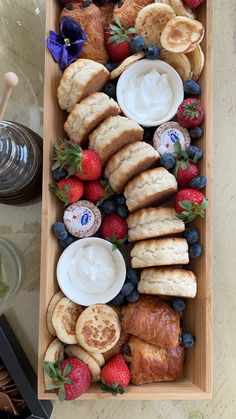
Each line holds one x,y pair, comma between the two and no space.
115,376
70,379
185,168
118,40
68,190
189,204
83,164
114,229
190,113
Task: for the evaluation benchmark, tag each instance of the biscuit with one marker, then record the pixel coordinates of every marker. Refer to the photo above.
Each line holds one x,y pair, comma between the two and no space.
153,222
87,115
54,353
79,80
129,162
51,307
80,353
152,186
127,11
151,21
168,281
159,252
113,134
98,328
64,319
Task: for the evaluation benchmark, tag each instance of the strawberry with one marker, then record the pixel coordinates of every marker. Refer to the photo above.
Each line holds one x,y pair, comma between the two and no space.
190,113
114,229
118,40
84,164
70,379
115,375
185,172
97,190
68,190
193,3
189,203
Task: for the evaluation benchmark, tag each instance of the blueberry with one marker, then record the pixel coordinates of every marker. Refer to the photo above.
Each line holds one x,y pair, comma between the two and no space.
110,90
137,44
178,304
188,340
110,66
148,134
195,250
194,152
133,296
122,211
66,242
127,288
120,200
153,52
198,182
60,230
119,300
109,206
132,276
196,133
191,87
168,161
59,174
191,234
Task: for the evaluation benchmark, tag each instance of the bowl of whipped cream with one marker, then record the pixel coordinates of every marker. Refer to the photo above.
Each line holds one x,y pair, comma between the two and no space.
150,92
90,271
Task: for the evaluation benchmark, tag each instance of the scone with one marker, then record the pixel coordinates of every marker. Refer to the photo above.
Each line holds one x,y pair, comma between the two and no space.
80,353
51,307
153,222
54,353
79,80
87,115
64,319
98,328
151,21
113,134
167,281
150,187
127,11
128,162
151,364
90,20
159,252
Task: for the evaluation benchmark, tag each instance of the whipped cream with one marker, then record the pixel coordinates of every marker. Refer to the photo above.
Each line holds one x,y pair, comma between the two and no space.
92,269
148,97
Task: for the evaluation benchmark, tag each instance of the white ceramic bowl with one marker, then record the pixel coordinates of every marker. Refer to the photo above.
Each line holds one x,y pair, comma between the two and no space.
83,298
140,68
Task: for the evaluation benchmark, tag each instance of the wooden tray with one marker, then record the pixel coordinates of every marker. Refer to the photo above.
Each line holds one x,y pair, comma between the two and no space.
197,380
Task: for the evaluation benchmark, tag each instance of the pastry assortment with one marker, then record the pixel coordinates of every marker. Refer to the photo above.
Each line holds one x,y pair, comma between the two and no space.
117,318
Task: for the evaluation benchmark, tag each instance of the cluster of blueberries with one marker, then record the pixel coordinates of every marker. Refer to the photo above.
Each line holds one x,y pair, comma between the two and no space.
115,204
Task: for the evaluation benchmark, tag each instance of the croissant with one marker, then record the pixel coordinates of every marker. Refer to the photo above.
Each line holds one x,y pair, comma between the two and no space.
107,14
127,11
90,19
149,364
152,320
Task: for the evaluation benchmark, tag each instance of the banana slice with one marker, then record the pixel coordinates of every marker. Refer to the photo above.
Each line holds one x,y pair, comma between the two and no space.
151,21
54,353
130,60
164,2
181,10
197,60
179,62
99,358
78,352
51,307
182,34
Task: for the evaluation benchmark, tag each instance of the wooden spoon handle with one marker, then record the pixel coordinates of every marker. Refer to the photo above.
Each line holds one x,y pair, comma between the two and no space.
11,80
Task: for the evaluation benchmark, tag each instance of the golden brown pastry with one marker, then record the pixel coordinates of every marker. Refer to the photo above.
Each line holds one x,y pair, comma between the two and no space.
152,320
128,11
107,10
90,19
149,363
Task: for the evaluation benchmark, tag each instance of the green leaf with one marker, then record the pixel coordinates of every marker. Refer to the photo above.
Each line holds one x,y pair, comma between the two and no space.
204,203
131,30
51,387
184,165
195,158
118,22
67,369
49,368
62,394
187,205
177,147
56,165
113,27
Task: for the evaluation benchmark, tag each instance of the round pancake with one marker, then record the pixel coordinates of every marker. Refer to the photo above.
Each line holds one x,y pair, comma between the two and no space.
80,353
51,307
64,319
98,328
54,353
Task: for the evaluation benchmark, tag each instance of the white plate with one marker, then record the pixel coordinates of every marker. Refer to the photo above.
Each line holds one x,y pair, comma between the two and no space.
83,298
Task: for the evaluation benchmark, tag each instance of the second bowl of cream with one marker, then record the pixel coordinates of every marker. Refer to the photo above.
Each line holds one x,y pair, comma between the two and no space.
150,92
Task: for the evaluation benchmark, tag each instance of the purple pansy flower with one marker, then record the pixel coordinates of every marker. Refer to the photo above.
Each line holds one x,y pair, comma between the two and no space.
67,45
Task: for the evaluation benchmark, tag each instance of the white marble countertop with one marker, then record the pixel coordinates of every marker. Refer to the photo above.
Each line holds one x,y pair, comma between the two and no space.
22,50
